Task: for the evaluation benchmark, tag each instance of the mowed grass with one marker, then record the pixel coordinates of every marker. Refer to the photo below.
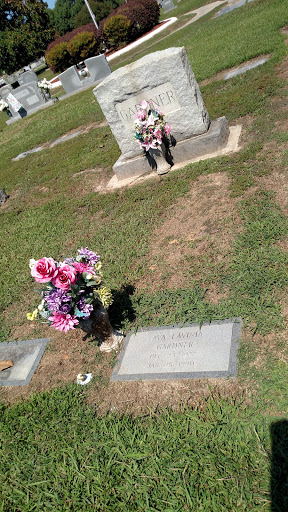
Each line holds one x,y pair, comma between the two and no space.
58,455
227,454
220,43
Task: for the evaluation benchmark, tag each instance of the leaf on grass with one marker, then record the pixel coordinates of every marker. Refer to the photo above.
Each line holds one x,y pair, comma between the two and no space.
5,364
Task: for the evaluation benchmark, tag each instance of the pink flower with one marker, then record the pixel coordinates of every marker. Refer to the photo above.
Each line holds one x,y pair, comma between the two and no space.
66,276
141,114
83,267
158,135
63,322
167,129
44,270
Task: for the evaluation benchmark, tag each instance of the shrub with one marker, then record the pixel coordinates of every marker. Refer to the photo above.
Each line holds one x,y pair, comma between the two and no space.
58,58
82,46
116,30
142,14
131,20
89,27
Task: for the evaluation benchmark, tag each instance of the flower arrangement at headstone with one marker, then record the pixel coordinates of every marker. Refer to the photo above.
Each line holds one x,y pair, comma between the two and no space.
45,87
4,107
75,295
150,130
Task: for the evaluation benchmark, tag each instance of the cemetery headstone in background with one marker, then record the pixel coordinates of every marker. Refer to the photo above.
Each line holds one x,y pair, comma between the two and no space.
98,67
176,352
30,97
70,80
167,5
27,78
5,90
166,79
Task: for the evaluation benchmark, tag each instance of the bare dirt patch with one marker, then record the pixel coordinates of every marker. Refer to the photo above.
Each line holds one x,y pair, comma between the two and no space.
198,227
142,397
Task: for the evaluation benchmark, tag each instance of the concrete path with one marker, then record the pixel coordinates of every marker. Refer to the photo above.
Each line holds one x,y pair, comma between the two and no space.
203,10
199,13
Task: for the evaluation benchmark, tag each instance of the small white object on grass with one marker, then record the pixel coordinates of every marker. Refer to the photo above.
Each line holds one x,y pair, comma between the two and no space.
83,378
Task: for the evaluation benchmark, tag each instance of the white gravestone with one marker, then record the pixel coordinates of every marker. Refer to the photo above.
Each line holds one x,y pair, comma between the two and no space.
175,352
166,79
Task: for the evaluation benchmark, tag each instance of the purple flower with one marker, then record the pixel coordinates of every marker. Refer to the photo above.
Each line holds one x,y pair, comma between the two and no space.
58,301
64,309
90,256
84,308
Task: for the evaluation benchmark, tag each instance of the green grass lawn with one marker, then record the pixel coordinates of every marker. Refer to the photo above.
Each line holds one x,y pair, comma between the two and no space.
227,451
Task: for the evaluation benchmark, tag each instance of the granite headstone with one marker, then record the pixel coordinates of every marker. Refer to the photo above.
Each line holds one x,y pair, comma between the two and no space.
30,97
98,67
166,79
27,78
70,80
5,90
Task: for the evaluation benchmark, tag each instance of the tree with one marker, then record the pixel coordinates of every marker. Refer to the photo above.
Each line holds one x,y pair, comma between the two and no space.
101,9
64,14
25,31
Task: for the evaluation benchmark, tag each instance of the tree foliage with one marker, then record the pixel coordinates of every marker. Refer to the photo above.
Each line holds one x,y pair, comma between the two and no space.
25,31
101,9
64,15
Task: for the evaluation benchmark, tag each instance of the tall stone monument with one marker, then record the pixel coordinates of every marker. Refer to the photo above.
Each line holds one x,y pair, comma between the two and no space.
166,79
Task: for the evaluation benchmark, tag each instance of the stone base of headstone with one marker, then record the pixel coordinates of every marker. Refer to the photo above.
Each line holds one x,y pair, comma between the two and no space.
215,138
32,111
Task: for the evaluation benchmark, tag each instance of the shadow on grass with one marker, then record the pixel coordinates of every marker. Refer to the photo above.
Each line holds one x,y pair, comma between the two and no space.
279,466
121,311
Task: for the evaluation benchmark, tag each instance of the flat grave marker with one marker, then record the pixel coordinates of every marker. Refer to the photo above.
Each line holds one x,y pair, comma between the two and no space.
176,352
25,356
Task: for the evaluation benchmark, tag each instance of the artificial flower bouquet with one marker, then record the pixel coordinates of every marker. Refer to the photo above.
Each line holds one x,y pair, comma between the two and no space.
73,289
3,105
150,126
44,84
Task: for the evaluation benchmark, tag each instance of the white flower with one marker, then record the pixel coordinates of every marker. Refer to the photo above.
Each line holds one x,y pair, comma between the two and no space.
32,263
44,84
89,276
3,105
41,305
